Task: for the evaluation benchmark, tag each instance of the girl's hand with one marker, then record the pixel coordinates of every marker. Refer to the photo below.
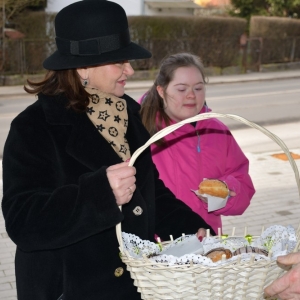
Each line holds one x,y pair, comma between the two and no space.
122,179
204,199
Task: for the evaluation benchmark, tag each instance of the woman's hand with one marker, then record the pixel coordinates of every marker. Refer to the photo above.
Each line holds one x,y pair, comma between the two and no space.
287,286
122,179
201,233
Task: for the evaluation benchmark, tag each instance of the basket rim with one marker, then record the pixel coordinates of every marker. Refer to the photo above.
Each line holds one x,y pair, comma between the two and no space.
152,265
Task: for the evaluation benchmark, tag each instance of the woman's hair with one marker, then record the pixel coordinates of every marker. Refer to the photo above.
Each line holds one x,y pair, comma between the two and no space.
152,106
65,82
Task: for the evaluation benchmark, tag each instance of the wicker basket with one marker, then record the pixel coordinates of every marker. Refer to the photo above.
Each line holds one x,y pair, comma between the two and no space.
242,280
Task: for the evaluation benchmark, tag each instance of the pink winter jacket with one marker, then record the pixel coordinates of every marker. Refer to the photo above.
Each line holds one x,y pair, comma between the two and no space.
207,150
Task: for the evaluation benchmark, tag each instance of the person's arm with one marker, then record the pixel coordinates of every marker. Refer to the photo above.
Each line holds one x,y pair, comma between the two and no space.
287,286
238,180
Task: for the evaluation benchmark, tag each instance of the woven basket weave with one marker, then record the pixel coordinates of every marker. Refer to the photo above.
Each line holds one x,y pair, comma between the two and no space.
236,280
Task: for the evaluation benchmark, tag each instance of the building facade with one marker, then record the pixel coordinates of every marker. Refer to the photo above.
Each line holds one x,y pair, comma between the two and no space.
157,7
132,7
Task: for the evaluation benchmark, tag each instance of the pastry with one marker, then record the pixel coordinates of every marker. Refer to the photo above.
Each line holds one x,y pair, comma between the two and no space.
213,187
216,254
249,249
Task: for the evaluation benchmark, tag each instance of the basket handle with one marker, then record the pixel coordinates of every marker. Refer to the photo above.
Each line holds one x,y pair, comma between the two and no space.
160,134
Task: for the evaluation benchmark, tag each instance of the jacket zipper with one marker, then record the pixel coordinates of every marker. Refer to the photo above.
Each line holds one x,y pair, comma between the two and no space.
198,142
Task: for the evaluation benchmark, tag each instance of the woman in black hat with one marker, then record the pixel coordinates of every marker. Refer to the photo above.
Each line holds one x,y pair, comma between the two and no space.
65,171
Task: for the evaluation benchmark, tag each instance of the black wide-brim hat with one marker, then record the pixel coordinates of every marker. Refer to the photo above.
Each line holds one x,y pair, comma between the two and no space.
90,33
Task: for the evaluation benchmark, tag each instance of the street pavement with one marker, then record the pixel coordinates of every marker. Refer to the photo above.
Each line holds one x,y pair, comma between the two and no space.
277,197
143,85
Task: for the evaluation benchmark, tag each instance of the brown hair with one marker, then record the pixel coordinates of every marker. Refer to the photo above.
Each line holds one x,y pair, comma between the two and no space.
152,106
62,81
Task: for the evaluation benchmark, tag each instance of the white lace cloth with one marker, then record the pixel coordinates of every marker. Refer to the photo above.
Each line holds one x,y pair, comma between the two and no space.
277,240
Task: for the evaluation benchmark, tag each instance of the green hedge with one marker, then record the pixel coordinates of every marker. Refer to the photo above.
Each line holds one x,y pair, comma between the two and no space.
38,43
274,27
279,39
214,39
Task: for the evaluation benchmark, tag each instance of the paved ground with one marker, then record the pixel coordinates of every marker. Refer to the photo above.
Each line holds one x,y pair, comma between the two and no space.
145,84
275,202
7,272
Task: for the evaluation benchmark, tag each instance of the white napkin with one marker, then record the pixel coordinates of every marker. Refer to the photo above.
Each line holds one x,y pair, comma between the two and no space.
189,245
213,203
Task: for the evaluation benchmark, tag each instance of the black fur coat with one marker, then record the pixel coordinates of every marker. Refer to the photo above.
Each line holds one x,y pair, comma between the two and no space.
61,213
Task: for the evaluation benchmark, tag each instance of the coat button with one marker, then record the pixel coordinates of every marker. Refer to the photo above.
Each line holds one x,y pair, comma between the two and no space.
119,272
138,211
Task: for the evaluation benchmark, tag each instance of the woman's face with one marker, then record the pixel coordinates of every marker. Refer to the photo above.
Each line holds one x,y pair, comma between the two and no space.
185,94
109,78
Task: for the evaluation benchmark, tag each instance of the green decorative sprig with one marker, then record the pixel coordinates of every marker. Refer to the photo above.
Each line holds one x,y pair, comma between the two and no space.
159,243
269,243
249,238
136,250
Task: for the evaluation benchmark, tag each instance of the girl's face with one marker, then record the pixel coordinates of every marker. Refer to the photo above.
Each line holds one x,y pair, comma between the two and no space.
109,78
185,94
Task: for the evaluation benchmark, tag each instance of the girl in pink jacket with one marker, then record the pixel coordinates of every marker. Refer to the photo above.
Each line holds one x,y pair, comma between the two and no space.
205,149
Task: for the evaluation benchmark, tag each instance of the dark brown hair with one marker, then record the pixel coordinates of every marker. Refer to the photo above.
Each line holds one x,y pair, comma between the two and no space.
152,106
62,81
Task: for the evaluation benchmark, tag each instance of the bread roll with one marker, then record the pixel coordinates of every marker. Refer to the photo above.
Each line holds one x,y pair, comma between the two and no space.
216,254
214,188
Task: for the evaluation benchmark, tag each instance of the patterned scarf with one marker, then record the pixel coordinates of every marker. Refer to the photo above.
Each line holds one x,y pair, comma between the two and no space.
109,114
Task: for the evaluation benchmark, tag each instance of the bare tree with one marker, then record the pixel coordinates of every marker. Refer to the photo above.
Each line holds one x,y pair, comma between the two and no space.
14,7
8,10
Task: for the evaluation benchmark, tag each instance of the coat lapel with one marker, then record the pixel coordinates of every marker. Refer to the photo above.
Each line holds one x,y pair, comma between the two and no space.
88,146
84,142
